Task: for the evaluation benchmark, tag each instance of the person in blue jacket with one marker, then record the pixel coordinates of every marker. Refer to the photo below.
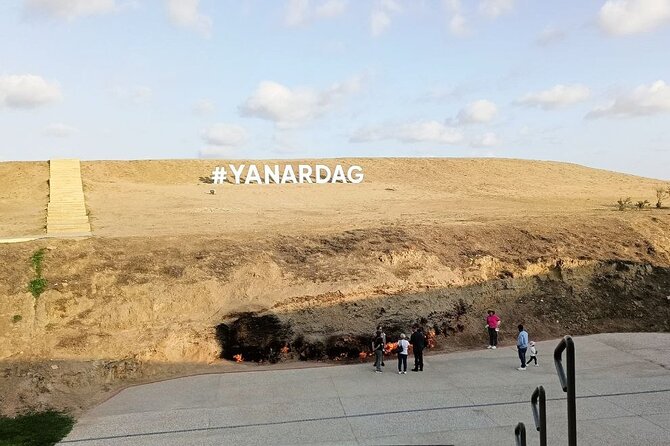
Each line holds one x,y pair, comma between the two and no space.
522,346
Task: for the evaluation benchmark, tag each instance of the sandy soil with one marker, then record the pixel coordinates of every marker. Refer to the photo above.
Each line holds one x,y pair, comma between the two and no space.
141,198
420,240
24,194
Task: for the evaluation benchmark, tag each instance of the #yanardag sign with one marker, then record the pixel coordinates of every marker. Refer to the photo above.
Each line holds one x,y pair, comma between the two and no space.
274,173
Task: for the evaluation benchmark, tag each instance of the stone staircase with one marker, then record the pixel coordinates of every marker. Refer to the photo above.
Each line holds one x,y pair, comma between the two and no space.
66,212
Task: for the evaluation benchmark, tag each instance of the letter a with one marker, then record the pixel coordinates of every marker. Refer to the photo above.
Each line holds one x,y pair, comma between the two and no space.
288,175
338,175
252,175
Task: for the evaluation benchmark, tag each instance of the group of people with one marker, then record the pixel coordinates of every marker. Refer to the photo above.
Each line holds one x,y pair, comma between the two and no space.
418,342
523,346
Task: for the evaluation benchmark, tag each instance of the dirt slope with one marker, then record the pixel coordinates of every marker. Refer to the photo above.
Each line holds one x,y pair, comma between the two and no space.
24,194
140,198
172,271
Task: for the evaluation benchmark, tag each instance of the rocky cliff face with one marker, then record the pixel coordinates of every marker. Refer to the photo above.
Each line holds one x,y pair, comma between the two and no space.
161,299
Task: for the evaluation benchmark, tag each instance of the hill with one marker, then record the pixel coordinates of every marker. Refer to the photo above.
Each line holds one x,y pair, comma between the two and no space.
175,277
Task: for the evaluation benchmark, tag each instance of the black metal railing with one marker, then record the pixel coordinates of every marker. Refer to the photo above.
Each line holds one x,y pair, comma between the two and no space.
538,400
568,383
520,434
539,404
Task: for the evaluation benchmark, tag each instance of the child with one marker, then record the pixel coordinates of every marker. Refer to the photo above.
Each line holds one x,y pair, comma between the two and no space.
533,354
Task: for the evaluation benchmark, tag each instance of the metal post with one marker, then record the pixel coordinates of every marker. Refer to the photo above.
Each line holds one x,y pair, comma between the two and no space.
540,413
568,383
520,434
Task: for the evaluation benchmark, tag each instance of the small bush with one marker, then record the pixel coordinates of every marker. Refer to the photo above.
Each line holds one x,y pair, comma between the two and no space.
623,203
36,259
35,429
16,318
37,286
642,204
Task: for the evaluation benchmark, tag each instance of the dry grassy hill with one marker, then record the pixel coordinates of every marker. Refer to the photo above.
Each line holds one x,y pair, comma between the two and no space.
168,197
175,276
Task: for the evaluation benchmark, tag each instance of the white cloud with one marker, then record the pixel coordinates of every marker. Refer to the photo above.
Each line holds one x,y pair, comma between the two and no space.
488,139
413,132
642,101
330,9
27,91
185,14
458,25
495,8
550,36
429,131
216,152
556,97
443,94
223,134
297,12
623,17
138,94
69,9
300,12
477,112
59,130
289,107
380,17
203,107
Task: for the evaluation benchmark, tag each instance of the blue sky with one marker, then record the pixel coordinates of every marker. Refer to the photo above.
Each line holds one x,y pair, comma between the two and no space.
572,80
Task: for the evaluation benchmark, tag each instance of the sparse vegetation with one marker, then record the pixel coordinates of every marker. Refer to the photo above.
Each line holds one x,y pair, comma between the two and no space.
660,195
36,259
35,429
623,203
38,284
642,204
16,318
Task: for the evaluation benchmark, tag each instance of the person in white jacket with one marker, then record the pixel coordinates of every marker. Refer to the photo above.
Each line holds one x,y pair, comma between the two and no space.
533,354
403,346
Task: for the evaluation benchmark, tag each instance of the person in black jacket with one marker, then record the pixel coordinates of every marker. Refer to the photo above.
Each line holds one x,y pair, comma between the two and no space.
418,341
378,348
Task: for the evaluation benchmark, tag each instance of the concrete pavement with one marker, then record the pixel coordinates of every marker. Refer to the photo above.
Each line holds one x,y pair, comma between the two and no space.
469,398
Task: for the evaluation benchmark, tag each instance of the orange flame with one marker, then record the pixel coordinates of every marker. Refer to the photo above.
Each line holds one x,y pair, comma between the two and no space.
390,347
284,349
362,356
238,358
430,338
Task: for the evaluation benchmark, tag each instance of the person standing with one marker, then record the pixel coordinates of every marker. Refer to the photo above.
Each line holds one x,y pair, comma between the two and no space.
403,347
492,325
378,348
522,346
418,341
380,330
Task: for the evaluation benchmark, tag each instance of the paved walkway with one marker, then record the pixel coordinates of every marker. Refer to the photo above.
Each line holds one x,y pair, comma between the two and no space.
470,398
66,212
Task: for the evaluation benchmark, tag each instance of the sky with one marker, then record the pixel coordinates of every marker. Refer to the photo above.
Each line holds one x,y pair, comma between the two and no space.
582,81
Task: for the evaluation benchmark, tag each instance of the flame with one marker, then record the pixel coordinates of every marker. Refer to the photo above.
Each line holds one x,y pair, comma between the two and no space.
362,356
430,338
390,347
284,349
238,358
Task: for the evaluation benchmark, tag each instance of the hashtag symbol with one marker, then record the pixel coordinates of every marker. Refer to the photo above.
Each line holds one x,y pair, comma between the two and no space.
219,175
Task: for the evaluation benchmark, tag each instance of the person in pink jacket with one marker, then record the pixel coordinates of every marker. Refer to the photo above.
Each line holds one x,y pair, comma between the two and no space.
492,325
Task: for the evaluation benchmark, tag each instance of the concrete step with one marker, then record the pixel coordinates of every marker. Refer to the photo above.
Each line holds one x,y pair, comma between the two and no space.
66,212
69,221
